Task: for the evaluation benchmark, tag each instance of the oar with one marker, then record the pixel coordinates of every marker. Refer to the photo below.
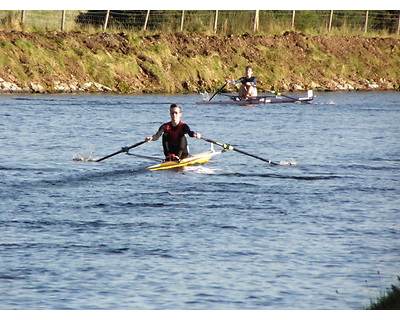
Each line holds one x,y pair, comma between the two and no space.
229,147
124,149
275,93
218,91
279,94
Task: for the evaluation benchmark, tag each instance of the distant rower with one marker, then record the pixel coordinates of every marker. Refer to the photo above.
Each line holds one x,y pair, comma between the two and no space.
248,87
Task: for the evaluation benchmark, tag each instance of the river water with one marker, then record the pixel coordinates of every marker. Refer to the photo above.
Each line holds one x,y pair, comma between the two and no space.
236,233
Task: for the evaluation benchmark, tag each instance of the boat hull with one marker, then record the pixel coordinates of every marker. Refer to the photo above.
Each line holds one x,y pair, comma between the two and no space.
192,160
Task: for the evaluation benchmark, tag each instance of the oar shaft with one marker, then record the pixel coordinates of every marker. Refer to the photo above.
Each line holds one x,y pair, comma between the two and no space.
120,151
294,99
275,93
218,91
229,147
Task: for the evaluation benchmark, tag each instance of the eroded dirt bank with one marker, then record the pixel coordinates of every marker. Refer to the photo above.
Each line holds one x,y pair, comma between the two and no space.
174,63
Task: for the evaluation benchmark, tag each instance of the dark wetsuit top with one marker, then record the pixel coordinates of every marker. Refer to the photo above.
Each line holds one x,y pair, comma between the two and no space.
243,80
174,140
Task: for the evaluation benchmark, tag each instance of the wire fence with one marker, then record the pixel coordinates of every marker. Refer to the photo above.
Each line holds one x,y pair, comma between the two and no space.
217,21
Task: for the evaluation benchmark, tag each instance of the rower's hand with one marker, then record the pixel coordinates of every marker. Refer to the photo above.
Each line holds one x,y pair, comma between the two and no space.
173,157
148,139
197,135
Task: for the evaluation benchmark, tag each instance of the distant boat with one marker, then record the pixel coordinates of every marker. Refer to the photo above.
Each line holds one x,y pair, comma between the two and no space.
261,99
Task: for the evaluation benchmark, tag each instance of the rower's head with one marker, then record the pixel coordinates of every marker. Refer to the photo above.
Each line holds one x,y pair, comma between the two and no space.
249,71
175,112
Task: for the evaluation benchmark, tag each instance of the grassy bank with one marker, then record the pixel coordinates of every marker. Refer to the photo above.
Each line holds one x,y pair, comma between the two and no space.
181,62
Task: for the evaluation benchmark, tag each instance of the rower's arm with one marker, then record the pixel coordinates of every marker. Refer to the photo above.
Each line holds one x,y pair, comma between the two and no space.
191,133
234,83
159,133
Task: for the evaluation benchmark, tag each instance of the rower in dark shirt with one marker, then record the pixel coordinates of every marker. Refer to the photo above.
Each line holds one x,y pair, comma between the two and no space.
174,140
248,87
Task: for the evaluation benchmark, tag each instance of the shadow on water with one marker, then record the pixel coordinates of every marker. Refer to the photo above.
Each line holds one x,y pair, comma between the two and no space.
76,179
93,177
279,176
56,100
109,174
69,179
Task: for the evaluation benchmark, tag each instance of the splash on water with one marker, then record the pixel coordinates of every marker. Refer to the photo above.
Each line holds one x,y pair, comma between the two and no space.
205,96
323,103
86,155
200,169
292,162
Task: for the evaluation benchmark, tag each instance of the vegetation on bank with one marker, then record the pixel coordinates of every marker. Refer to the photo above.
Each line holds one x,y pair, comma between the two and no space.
390,301
186,63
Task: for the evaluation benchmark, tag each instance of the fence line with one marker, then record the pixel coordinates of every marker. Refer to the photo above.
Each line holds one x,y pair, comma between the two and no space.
221,21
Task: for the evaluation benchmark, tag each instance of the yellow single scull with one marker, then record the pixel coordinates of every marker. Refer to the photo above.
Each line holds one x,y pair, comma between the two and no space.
195,159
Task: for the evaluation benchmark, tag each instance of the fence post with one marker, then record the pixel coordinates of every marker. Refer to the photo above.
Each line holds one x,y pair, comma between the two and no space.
146,20
182,19
22,16
63,20
293,15
256,20
216,21
330,21
106,20
366,22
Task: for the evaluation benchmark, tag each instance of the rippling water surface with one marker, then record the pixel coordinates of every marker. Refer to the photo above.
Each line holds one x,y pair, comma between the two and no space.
233,234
